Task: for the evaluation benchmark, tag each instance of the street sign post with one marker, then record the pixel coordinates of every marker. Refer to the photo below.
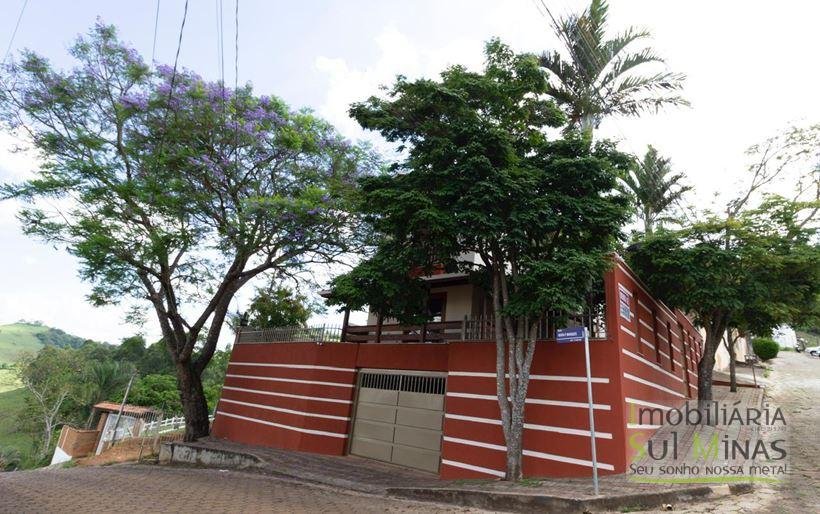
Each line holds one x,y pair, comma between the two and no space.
573,335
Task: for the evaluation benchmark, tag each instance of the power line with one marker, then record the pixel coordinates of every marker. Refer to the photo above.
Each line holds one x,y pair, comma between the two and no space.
236,49
220,30
179,47
156,27
14,33
236,85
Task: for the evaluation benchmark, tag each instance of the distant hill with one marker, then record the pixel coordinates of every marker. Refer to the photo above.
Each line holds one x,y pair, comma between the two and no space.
22,337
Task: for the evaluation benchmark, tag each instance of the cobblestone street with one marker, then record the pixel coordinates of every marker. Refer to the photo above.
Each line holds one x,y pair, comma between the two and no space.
795,388
140,488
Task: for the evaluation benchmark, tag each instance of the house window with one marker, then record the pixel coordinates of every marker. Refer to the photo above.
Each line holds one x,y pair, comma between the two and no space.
436,304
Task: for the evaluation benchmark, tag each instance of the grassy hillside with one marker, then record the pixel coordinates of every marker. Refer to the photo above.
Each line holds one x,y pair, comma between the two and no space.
19,338
10,436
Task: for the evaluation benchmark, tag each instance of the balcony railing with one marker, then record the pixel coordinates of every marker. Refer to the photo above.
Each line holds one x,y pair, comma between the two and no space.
468,329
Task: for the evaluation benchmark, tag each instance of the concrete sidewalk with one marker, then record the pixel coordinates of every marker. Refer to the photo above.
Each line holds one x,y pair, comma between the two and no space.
617,492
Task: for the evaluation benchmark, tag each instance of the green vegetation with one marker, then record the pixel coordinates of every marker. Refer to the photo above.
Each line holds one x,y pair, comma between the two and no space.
278,306
606,77
206,188
23,337
483,175
765,348
14,442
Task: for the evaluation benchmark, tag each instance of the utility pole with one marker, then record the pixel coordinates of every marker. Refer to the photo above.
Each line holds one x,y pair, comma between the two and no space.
122,406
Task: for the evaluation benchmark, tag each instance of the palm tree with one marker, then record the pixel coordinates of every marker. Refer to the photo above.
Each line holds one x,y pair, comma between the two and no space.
655,188
602,78
101,380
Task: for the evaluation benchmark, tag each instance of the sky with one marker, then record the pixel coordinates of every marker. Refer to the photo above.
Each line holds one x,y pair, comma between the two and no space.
751,72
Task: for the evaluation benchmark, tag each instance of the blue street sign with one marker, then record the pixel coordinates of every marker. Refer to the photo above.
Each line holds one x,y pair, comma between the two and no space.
570,335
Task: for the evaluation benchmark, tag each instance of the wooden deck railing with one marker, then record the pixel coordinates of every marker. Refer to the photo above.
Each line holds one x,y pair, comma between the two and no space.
433,332
467,329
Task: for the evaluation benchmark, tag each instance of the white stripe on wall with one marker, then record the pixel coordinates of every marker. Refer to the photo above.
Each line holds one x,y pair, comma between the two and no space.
530,453
647,343
534,401
645,324
644,305
647,404
636,426
291,380
280,425
652,384
631,333
663,337
479,444
291,366
287,395
651,365
556,378
478,469
532,426
286,411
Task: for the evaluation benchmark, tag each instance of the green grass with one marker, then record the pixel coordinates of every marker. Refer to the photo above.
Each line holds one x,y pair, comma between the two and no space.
17,339
11,402
9,380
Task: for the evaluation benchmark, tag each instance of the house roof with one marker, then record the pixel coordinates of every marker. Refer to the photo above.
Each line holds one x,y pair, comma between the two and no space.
127,409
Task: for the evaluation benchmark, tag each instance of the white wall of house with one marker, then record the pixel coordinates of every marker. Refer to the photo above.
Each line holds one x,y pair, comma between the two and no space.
460,300
742,349
785,336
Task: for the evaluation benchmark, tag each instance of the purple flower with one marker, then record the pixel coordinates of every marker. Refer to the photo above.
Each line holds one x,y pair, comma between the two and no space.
165,70
134,101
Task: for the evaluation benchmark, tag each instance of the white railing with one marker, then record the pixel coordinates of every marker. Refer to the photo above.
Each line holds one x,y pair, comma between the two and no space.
166,425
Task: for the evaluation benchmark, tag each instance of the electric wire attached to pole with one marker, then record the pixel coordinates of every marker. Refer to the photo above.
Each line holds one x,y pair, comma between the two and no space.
14,32
156,28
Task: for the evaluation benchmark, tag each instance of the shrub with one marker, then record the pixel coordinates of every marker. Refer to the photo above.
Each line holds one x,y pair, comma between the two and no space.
765,348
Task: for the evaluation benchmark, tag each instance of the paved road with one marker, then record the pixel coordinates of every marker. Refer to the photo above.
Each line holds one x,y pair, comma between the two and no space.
140,488
795,388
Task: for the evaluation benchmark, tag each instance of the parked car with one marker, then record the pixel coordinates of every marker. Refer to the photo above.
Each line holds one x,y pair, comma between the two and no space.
814,351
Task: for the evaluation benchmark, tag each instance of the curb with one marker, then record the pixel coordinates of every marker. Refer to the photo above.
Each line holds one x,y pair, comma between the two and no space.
513,502
181,453
190,454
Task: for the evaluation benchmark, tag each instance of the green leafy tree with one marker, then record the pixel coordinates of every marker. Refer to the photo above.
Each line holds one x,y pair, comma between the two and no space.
278,306
155,360
131,349
176,190
481,175
756,270
100,381
605,77
213,378
655,188
51,379
158,391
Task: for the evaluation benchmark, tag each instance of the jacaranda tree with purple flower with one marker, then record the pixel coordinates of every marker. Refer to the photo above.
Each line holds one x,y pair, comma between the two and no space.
175,190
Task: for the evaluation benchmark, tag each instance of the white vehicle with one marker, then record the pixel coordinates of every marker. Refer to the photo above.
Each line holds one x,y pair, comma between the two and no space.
814,351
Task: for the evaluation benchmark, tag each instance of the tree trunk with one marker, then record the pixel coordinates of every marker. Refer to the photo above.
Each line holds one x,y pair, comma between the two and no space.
194,405
706,366
732,373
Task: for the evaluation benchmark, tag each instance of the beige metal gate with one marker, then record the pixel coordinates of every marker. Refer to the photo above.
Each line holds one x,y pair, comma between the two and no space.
399,417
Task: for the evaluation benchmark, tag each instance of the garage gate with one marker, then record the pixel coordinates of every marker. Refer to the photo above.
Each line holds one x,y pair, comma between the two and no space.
398,417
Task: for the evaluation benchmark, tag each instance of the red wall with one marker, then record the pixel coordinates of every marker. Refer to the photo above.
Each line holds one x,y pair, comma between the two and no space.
556,434
299,396
296,396
655,374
